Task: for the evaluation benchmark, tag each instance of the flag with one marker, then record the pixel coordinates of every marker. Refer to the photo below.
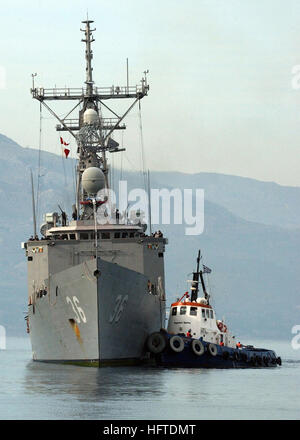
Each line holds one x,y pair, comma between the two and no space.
206,269
66,151
63,142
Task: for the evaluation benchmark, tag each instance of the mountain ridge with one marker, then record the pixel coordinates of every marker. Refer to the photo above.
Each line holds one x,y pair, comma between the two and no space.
255,275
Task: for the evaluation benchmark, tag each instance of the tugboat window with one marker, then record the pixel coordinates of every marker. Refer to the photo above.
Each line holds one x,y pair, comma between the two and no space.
203,313
193,311
124,235
211,314
72,237
105,235
117,234
84,236
174,311
207,313
183,310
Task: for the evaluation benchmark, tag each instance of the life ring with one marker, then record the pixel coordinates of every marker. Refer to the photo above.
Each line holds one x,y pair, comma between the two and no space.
212,348
221,326
197,347
176,343
156,343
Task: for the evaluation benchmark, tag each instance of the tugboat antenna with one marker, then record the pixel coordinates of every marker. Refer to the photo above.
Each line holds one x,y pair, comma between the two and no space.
195,283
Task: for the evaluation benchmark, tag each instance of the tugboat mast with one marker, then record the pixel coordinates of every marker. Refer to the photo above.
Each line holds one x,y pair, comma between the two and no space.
195,282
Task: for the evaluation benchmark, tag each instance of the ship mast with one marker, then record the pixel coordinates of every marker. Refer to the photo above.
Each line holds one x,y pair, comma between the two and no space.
90,129
88,55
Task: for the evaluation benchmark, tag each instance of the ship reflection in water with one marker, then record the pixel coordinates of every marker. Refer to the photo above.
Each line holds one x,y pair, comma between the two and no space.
35,390
111,392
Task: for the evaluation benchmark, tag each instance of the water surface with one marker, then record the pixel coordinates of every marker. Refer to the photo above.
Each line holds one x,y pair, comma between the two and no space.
33,390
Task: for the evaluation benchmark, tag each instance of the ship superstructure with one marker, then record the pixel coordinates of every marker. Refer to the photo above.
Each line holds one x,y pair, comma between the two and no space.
95,289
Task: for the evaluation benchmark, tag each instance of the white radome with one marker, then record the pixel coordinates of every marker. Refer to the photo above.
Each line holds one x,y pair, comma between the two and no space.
93,180
201,301
90,116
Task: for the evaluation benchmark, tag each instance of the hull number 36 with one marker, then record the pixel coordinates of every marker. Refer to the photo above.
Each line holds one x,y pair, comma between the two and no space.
78,311
120,304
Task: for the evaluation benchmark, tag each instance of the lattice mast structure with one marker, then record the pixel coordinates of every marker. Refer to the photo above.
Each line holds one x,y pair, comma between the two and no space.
91,131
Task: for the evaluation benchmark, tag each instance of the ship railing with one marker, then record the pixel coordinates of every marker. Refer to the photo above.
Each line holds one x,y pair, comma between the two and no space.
106,124
97,92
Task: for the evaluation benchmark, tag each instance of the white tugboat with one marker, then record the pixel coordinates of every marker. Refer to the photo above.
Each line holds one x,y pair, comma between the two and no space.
195,338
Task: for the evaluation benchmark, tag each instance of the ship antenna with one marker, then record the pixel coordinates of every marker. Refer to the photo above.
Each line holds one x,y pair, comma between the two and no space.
88,55
33,206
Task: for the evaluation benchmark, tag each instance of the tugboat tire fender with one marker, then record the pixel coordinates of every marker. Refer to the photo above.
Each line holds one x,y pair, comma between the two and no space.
259,360
176,344
156,343
237,356
212,349
226,355
244,357
197,347
278,360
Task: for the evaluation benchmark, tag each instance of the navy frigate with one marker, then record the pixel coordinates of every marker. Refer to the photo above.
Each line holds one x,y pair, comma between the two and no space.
95,289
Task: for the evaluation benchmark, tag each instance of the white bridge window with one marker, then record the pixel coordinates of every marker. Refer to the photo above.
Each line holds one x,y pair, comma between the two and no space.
183,310
203,313
193,311
174,311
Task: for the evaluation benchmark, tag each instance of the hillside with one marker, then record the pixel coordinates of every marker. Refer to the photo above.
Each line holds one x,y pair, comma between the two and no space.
251,242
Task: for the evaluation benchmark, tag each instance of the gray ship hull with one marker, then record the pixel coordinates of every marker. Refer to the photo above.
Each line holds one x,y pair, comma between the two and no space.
94,320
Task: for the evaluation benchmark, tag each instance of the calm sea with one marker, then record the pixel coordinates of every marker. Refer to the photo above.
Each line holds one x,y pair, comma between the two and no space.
32,390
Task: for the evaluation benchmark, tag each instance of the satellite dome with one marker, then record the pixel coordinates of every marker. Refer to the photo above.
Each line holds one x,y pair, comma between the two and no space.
93,180
90,116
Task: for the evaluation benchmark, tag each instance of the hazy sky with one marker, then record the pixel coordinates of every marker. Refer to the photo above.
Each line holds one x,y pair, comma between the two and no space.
220,99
